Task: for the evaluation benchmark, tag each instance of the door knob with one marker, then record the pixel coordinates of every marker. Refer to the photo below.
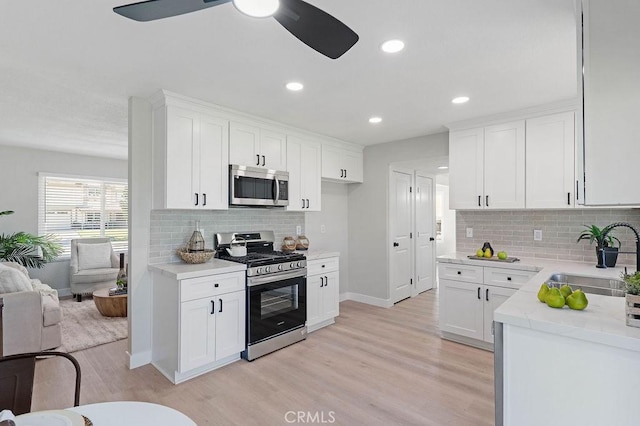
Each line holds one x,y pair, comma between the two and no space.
396,244
431,239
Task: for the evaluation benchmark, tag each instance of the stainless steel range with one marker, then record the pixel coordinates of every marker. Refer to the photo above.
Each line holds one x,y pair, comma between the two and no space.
276,291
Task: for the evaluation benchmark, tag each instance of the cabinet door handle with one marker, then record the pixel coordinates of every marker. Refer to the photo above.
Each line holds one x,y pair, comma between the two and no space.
479,202
568,198
263,160
345,172
487,201
321,282
508,278
221,304
479,298
487,295
459,272
341,173
303,203
213,307
577,192
204,199
396,244
196,198
216,285
258,162
326,281
307,203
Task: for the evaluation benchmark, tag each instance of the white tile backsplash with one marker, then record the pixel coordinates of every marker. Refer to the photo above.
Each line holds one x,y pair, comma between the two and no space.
171,229
512,231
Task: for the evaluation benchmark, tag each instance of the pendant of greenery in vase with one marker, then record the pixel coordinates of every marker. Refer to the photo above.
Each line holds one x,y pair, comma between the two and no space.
603,243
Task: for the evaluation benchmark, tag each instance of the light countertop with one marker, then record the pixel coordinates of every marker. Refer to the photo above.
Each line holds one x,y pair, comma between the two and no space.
181,271
603,321
318,254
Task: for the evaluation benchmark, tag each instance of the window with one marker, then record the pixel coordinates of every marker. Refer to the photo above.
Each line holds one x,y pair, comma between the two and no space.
82,207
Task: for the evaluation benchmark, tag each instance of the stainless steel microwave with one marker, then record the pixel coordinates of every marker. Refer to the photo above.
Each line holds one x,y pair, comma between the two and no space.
253,186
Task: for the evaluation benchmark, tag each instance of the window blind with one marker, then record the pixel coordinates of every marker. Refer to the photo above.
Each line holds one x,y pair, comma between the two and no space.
80,207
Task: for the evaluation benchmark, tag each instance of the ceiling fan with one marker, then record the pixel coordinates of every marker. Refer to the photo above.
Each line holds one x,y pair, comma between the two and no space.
312,26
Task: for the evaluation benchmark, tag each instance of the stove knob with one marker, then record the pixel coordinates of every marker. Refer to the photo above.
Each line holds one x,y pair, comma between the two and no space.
293,265
259,271
298,265
279,267
267,269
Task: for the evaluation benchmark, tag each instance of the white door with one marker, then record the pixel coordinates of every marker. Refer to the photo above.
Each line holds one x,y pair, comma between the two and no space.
310,181
213,163
493,297
425,234
230,322
183,180
330,295
315,284
273,150
400,229
461,308
504,165
197,333
294,167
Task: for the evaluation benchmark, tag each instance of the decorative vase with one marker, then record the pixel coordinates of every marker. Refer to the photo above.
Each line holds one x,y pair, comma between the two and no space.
610,257
632,308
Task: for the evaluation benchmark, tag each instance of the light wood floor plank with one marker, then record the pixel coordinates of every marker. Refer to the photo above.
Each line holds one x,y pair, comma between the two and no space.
375,366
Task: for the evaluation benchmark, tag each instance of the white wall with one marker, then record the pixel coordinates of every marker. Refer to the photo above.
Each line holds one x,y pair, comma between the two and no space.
448,242
368,212
19,169
334,216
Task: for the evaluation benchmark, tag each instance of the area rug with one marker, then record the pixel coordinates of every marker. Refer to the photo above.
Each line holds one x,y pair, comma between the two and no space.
84,327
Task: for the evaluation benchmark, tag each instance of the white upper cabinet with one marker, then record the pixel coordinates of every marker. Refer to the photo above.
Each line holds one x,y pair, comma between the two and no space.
342,165
304,166
466,169
550,161
190,159
504,146
257,147
487,167
611,101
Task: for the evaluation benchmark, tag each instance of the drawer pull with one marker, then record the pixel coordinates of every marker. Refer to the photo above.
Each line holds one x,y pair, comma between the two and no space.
459,272
508,278
216,285
324,266
221,303
213,307
487,295
479,298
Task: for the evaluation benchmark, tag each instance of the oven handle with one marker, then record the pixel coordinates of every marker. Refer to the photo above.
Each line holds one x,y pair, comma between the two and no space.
277,197
267,279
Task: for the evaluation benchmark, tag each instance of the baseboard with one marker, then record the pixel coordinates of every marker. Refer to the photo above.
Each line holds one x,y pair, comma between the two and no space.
480,344
139,359
369,300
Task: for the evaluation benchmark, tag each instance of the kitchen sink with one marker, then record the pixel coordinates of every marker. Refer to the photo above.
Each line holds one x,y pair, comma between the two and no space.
593,285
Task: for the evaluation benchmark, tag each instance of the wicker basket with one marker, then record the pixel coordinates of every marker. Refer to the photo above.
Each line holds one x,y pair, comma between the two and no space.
633,310
195,256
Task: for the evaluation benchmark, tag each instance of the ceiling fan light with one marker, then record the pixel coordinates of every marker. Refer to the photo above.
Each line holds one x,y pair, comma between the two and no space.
257,8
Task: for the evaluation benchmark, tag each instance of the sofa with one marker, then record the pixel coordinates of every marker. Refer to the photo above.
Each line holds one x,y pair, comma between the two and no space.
31,313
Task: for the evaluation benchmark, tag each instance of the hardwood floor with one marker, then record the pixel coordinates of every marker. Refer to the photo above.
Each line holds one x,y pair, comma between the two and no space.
374,366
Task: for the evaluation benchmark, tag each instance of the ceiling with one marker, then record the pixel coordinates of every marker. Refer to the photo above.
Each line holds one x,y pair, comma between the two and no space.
67,68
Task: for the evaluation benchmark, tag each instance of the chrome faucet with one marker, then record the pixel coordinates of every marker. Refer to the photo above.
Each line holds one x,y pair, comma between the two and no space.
609,228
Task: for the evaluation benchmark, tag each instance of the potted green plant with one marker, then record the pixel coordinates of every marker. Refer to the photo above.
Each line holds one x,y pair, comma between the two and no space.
30,251
632,296
603,243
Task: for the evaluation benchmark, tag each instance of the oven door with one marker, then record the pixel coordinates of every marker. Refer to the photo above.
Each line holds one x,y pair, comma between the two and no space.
251,186
275,307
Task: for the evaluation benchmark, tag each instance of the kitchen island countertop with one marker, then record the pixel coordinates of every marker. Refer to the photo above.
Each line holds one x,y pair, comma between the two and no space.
603,321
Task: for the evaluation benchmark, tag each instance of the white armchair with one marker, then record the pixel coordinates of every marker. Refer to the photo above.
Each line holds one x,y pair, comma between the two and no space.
94,265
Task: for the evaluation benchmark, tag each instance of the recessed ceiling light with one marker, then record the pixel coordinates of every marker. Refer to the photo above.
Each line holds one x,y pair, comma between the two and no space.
257,8
375,120
294,86
443,167
460,100
392,46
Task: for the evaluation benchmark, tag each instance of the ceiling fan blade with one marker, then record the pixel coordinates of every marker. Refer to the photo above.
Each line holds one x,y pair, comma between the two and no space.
316,28
157,9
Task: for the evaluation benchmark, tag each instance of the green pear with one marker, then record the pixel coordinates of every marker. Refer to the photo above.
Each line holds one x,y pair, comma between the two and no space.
480,253
566,290
577,300
488,253
542,293
554,298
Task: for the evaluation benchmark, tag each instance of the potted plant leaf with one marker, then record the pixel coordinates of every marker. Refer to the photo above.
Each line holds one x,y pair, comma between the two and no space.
603,243
632,296
30,251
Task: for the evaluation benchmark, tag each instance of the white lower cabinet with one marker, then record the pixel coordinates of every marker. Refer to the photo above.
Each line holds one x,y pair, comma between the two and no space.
199,323
323,292
467,303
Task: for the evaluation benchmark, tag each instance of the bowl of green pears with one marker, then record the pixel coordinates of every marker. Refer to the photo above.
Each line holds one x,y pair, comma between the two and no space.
563,296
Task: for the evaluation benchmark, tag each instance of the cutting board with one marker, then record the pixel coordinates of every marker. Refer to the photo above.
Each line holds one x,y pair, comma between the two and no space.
495,259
